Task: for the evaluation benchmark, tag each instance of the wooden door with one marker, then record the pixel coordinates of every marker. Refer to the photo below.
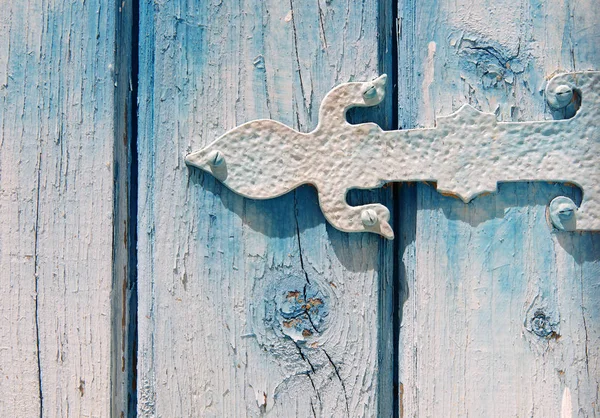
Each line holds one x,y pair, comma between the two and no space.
131,285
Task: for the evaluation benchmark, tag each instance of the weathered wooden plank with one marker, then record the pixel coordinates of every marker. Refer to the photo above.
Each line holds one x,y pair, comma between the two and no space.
57,141
501,315
224,281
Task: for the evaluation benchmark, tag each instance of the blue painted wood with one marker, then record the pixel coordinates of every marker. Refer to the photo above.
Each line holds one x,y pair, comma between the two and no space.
500,317
59,136
253,307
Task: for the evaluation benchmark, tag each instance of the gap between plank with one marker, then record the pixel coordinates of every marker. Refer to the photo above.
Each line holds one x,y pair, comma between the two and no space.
388,63
125,200
133,216
399,206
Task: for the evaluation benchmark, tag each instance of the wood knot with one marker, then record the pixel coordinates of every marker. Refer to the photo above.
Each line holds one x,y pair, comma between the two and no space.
289,312
301,310
542,326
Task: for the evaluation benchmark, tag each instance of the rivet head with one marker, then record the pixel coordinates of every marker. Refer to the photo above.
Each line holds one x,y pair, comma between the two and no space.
216,158
563,213
559,96
369,217
370,92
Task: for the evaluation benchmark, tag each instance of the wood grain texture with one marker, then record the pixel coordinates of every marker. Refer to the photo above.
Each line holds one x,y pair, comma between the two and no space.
501,315
253,308
57,141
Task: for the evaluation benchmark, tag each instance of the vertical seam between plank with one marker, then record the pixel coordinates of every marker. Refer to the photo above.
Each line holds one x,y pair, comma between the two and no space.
387,16
399,206
125,182
133,214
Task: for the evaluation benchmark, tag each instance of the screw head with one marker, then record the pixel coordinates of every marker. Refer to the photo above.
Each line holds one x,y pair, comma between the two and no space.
563,213
560,96
216,158
369,217
370,92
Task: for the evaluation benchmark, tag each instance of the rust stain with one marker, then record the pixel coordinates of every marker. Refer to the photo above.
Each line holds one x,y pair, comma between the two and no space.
311,303
401,399
554,336
123,318
291,323
124,301
125,136
448,194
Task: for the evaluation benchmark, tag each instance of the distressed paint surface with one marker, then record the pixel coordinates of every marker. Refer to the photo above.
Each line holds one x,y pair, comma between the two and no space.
501,312
57,141
253,308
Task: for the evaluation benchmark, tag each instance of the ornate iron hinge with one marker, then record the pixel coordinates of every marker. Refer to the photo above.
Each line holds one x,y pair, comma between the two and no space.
467,153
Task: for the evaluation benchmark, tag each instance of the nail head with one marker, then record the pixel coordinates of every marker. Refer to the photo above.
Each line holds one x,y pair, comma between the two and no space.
563,213
369,217
370,92
560,96
216,158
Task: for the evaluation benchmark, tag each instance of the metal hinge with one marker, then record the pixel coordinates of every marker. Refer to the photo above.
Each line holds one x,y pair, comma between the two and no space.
467,154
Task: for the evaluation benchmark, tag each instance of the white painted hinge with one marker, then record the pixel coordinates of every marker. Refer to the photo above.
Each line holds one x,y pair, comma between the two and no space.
467,154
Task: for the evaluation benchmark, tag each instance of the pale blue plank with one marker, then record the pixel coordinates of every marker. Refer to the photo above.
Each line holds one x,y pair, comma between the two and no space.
220,275
58,141
497,320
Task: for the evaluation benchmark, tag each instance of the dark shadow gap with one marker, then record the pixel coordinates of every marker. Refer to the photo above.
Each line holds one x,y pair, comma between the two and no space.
386,115
125,200
405,219
358,115
400,204
132,304
359,197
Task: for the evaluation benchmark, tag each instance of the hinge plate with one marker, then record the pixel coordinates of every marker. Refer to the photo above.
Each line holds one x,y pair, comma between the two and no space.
467,154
